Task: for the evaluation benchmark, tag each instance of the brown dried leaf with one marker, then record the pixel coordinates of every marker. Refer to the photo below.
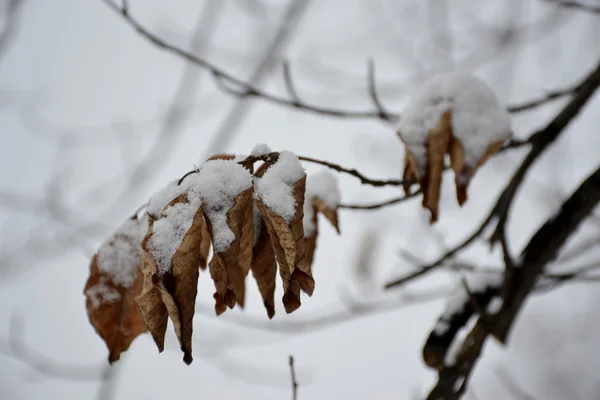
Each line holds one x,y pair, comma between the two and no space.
117,321
290,251
224,267
204,247
330,213
246,245
464,172
221,156
178,286
150,303
441,141
437,147
310,242
264,269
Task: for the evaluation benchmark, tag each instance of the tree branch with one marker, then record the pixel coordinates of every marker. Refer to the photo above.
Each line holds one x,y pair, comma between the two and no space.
238,87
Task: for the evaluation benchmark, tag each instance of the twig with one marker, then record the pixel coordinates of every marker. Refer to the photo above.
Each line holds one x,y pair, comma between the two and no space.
289,84
384,115
293,376
241,88
576,5
355,173
542,248
374,206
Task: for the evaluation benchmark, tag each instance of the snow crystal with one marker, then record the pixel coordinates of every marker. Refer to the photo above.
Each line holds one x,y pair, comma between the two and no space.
260,149
118,257
478,118
219,182
275,187
322,185
101,293
169,231
163,197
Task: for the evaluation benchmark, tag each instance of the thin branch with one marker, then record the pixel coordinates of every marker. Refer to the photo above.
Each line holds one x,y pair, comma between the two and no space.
355,173
289,84
384,115
576,5
293,377
541,140
542,248
241,88
548,97
10,27
375,206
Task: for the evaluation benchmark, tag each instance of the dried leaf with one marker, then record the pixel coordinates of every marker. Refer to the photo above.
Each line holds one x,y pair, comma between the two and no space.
112,311
290,251
246,245
178,284
331,214
204,247
150,303
224,267
264,269
221,156
464,172
473,125
437,147
115,279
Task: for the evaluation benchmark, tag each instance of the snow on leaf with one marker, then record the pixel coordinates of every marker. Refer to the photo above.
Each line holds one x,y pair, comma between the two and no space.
260,149
220,182
455,114
322,196
225,269
173,253
322,186
287,238
114,281
118,257
264,267
274,189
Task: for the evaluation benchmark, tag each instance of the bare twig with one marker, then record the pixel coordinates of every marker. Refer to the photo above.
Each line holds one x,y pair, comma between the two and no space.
384,115
374,206
576,5
241,88
355,173
293,377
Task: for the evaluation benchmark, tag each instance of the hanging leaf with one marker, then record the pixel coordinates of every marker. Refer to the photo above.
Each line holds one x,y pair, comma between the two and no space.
173,253
224,267
264,268
287,239
226,188
455,114
114,281
322,196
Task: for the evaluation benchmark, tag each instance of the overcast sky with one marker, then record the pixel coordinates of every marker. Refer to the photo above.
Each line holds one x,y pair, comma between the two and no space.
83,98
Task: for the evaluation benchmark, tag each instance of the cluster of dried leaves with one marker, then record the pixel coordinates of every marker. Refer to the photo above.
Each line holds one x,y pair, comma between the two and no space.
263,240
440,143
